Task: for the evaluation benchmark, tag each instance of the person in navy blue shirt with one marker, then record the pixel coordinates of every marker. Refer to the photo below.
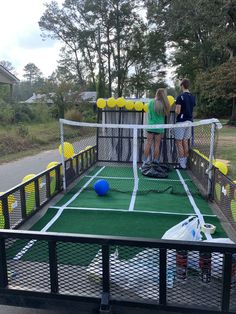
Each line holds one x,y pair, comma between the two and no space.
185,103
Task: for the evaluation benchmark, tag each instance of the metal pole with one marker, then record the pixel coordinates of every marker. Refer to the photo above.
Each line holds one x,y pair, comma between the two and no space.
211,158
62,155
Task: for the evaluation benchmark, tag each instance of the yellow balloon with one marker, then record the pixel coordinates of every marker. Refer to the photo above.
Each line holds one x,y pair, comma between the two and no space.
120,102
101,103
11,202
51,165
221,166
138,106
234,181
129,105
111,102
29,188
68,150
171,100
145,107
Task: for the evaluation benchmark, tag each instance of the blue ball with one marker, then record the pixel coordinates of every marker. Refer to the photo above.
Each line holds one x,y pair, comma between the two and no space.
101,187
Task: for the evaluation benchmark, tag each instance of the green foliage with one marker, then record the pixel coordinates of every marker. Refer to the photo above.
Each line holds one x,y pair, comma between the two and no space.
109,35
22,130
217,89
32,72
23,113
73,115
6,113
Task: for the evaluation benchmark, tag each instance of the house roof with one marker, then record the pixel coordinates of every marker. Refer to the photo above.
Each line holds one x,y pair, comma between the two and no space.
92,96
40,98
6,77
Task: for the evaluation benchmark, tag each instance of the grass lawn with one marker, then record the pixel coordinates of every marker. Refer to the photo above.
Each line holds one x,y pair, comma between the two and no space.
226,148
17,141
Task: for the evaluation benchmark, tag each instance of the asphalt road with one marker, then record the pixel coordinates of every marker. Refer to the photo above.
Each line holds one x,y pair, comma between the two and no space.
13,172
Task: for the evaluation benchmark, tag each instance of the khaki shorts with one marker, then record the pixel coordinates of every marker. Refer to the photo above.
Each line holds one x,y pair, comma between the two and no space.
183,133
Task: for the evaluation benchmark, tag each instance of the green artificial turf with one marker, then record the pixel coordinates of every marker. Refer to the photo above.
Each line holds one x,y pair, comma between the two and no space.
136,223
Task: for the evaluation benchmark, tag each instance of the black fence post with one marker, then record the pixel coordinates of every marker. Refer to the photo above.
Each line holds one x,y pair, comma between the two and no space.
23,202
37,196
53,266
227,270
105,306
77,165
3,265
5,211
48,190
59,182
162,277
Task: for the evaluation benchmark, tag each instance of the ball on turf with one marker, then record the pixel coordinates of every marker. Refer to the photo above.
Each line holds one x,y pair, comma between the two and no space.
101,187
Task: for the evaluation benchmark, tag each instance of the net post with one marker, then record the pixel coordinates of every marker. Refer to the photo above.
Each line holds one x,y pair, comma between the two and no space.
211,158
62,155
135,168
135,152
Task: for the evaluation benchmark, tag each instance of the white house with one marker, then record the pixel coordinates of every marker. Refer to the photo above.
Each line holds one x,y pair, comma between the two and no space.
7,78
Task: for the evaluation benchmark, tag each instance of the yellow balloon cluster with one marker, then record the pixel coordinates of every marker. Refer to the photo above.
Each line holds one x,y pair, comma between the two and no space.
111,102
121,102
68,150
138,105
129,105
221,166
101,103
29,188
51,165
145,107
11,201
171,100
217,163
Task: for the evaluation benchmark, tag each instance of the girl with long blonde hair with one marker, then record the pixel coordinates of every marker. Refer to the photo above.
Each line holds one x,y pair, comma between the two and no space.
158,109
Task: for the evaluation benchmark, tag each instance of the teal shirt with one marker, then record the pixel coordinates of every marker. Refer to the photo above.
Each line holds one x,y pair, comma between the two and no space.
154,118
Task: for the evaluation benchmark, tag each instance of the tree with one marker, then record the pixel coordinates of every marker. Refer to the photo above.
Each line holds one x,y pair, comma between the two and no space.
190,29
7,65
99,37
219,85
32,73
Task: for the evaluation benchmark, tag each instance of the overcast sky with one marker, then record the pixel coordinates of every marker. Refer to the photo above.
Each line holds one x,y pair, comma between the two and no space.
20,40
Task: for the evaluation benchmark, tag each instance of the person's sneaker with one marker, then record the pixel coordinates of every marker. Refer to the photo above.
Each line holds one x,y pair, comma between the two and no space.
180,168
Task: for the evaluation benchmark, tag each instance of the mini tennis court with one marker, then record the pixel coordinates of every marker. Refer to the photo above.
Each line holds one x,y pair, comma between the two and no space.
121,213
85,245
155,207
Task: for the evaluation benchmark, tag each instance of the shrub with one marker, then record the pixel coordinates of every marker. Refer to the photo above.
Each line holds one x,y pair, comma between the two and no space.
74,115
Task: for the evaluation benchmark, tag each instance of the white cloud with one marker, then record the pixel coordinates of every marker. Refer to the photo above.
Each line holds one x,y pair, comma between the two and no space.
21,42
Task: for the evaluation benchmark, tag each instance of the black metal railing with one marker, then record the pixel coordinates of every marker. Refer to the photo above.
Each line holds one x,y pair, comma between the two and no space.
223,189
22,201
155,274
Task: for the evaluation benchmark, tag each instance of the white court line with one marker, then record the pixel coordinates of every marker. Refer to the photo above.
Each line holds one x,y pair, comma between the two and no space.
135,170
144,178
194,205
125,210
51,222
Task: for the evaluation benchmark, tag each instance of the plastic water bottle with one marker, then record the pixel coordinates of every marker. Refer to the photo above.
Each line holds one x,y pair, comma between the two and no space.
205,266
181,265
